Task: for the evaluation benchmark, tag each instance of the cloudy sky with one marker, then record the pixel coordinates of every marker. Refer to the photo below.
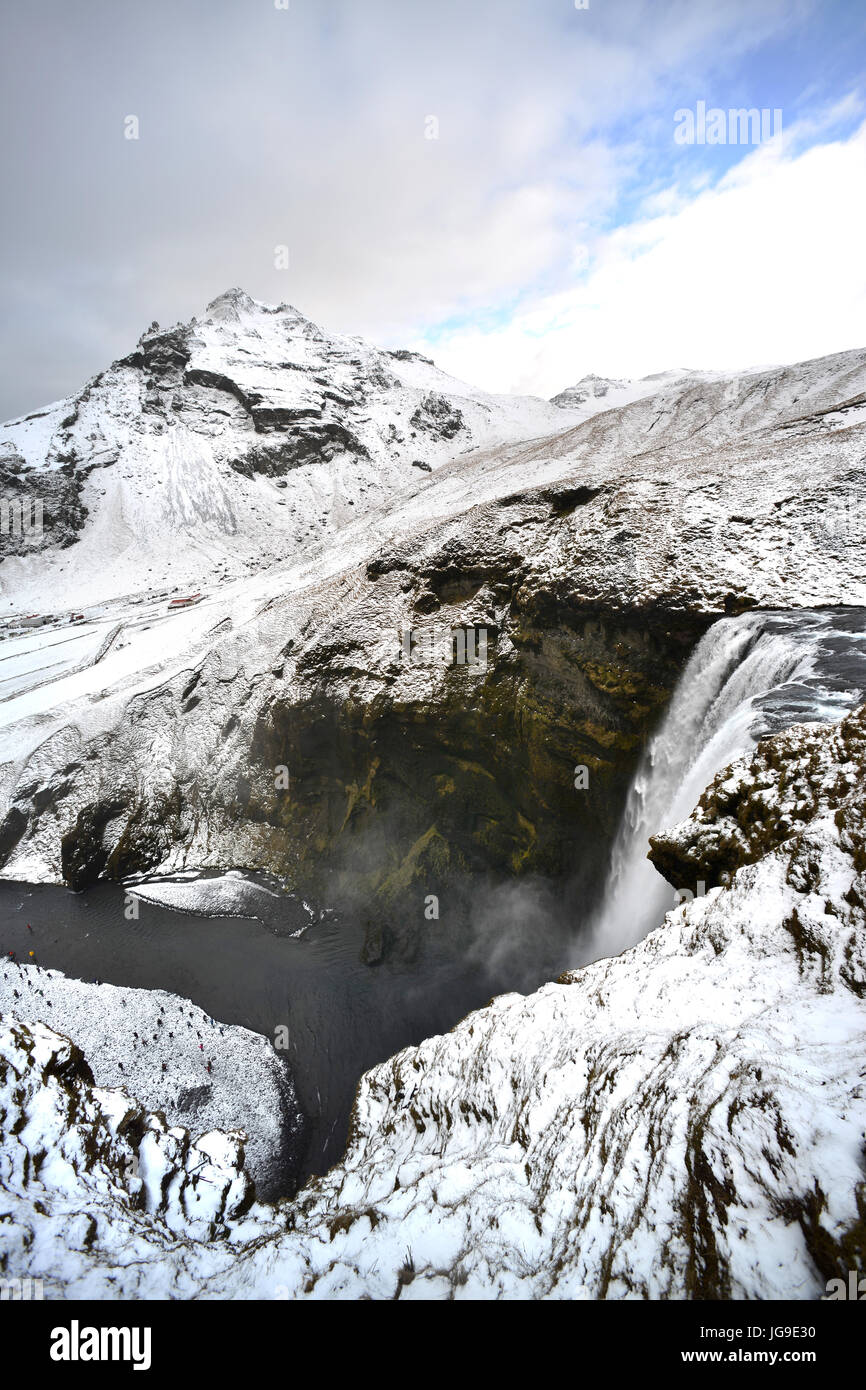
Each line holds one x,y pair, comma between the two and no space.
553,227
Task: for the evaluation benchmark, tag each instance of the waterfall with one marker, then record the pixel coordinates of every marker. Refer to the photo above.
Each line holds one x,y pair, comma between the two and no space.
748,676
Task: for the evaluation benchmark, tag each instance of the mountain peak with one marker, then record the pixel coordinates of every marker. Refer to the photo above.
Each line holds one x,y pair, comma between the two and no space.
235,304
232,303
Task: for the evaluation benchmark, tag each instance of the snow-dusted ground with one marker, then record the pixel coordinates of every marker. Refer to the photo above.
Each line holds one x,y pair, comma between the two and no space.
199,1073
43,656
685,1120
109,1170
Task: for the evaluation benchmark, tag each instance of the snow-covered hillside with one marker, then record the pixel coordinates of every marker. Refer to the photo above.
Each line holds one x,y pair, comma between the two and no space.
592,393
218,447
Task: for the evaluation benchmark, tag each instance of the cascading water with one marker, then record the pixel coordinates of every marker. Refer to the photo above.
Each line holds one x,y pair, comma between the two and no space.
747,677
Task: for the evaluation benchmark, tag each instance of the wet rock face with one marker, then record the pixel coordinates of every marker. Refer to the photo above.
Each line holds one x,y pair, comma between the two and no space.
13,827
521,771
763,800
83,852
118,835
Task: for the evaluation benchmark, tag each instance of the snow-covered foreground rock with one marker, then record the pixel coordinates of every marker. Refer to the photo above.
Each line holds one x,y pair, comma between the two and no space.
97,1194
198,1073
685,1120
760,801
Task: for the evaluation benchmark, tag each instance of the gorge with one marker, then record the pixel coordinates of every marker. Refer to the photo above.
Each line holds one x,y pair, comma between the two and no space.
247,804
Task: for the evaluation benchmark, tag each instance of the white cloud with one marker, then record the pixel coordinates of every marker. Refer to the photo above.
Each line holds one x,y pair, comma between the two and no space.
305,128
767,266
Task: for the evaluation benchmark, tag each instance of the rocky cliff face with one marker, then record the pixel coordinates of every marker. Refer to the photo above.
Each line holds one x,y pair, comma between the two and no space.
762,801
595,393
87,1173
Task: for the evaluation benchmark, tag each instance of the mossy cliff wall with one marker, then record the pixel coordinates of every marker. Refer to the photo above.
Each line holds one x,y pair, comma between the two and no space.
391,801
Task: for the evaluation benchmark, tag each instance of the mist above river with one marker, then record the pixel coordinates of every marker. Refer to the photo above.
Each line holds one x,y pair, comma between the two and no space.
340,1015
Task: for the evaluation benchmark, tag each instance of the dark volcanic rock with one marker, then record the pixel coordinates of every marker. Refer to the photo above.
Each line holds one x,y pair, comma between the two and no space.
38,508
438,416
304,444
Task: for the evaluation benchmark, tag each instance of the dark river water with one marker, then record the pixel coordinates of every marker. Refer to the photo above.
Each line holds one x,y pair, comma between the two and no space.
342,1016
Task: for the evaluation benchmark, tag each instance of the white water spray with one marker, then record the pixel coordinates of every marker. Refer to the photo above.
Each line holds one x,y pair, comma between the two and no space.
747,676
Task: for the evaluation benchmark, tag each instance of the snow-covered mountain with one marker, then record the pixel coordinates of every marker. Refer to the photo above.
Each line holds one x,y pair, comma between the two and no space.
218,447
